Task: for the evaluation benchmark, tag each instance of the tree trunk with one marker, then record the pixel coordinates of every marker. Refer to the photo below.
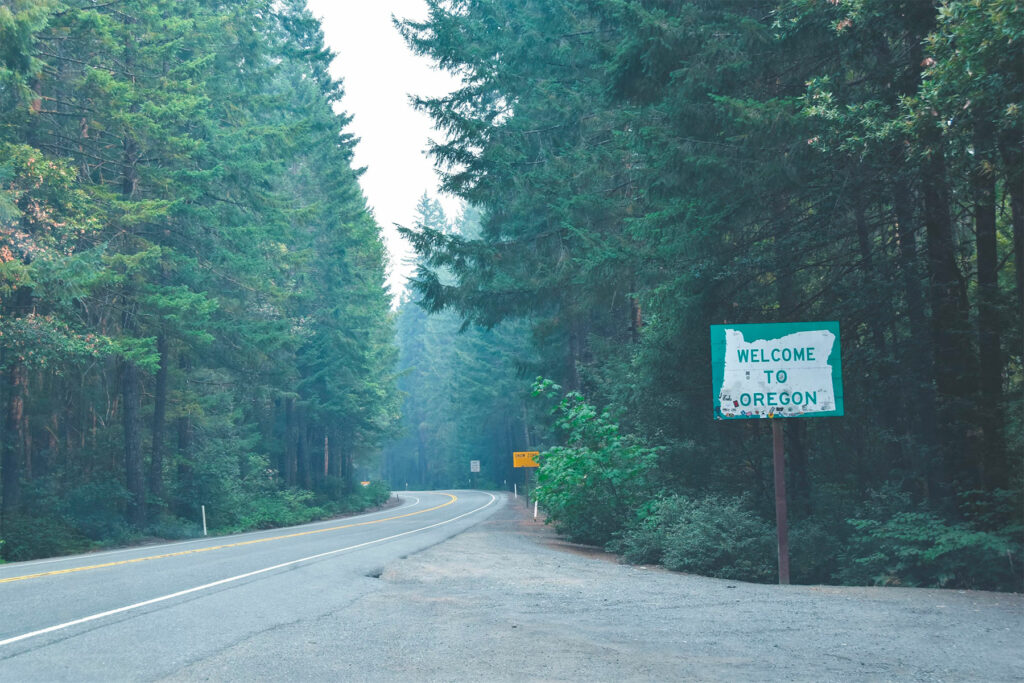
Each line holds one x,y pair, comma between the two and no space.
134,476
14,422
130,377
876,319
421,453
305,453
1013,158
185,438
332,449
10,467
990,361
915,353
156,459
868,266
636,319
954,373
526,429
290,439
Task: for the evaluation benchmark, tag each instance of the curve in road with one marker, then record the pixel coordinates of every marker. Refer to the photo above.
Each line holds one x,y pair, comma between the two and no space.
37,603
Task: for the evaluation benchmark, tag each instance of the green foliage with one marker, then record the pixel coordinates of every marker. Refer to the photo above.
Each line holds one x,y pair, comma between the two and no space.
192,300
27,537
590,487
645,169
173,528
280,508
288,507
713,536
815,550
363,497
96,509
464,389
922,549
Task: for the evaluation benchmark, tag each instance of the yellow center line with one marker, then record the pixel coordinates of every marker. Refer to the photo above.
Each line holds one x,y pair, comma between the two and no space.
225,545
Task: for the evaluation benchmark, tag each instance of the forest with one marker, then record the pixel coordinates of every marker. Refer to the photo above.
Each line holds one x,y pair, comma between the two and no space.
643,169
192,301
193,310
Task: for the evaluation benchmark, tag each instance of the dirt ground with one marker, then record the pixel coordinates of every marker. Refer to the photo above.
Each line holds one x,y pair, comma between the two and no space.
508,600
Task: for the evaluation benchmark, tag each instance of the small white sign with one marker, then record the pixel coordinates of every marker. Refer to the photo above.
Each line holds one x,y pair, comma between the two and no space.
474,465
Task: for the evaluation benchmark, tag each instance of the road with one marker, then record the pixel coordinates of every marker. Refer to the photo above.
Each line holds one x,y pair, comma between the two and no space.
146,613
463,586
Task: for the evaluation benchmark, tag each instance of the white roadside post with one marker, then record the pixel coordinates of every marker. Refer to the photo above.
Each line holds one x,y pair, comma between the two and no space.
203,507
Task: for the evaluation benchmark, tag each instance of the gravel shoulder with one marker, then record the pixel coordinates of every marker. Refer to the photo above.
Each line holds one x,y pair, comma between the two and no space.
506,600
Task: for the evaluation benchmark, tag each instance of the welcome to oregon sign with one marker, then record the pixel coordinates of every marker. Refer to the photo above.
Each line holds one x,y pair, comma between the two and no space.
776,370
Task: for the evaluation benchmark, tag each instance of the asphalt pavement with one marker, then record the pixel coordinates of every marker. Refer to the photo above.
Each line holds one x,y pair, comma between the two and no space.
467,586
145,613
507,600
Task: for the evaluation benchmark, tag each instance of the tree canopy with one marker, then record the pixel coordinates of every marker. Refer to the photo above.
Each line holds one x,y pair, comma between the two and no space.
192,301
647,168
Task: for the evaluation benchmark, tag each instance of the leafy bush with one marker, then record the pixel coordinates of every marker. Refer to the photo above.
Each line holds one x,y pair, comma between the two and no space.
717,536
814,551
284,507
712,536
28,537
643,541
922,549
287,507
95,508
591,487
174,528
374,495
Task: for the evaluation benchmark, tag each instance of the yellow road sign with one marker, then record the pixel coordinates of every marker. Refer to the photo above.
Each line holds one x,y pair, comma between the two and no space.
525,459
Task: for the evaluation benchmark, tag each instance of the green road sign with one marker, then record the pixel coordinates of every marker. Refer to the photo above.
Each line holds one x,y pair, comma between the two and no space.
776,370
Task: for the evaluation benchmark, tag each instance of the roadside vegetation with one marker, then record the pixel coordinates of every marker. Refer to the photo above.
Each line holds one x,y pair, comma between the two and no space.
192,309
643,169
192,300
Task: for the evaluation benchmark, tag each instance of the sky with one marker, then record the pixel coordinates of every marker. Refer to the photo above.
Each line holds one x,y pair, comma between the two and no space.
379,73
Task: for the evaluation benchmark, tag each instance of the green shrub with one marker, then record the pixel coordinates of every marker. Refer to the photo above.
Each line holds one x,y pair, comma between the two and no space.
28,537
814,552
285,507
342,496
713,536
643,541
374,495
96,509
174,528
922,549
591,487
718,536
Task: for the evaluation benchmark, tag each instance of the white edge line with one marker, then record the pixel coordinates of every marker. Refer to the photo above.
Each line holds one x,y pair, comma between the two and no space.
208,539
196,589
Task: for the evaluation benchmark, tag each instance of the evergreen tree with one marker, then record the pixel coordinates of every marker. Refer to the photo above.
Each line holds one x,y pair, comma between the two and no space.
649,168
182,230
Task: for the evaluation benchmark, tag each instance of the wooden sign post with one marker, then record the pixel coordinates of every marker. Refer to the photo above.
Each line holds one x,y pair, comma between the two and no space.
777,370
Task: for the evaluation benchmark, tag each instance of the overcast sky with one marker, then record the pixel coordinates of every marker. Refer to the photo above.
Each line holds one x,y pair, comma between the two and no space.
379,73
